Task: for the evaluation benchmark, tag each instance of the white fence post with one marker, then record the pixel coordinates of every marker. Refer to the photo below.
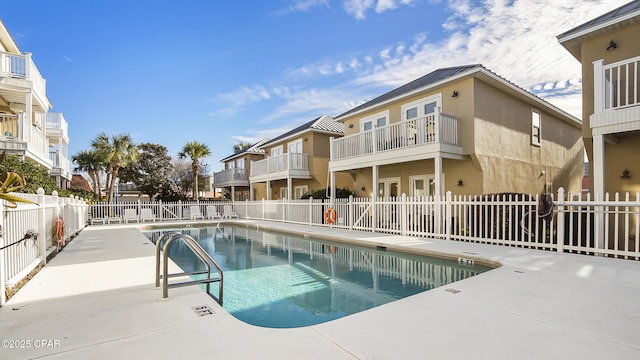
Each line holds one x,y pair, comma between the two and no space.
3,273
351,214
310,210
403,214
447,217
560,223
42,227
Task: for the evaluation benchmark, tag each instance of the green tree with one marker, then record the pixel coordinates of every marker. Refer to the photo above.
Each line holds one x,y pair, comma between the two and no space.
240,146
151,172
34,175
195,151
90,162
117,151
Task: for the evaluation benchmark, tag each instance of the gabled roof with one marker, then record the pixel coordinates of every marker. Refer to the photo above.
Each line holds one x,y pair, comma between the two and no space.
7,40
422,82
624,15
253,149
324,123
443,76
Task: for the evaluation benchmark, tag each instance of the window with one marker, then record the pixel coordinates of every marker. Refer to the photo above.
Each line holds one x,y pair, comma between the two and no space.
298,191
240,163
379,119
295,147
276,151
421,108
535,128
231,165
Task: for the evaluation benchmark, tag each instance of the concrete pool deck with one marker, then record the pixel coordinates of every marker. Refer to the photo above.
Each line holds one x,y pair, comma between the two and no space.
96,299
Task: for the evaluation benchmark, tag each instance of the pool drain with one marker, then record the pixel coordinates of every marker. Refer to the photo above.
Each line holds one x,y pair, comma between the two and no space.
202,310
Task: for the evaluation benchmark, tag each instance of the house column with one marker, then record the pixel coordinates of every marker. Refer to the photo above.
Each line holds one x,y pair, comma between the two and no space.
289,188
438,174
598,187
268,190
598,87
29,107
597,165
251,194
332,184
233,193
374,213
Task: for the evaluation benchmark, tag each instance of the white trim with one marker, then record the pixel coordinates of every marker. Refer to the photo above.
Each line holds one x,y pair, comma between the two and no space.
279,147
373,118
536,128
437,98
304,188
590,29
385,187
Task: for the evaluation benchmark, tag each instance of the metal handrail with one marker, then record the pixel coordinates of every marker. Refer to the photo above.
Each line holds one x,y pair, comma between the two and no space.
199,252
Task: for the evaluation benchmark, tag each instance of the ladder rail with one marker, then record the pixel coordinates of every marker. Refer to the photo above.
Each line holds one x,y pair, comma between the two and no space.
199,252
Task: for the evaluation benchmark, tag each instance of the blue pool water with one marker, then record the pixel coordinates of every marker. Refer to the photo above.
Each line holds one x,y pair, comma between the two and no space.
283,281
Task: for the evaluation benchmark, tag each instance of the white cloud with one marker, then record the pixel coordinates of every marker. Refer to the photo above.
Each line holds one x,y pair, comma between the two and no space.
302,6
515,39
67,59
359,8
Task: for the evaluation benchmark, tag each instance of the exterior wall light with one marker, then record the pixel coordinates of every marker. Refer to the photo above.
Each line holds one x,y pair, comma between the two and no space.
612,45
625,174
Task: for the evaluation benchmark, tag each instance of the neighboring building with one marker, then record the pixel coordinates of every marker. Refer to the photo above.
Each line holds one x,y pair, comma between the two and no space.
462,129
27,128
609,50
296,162
79,182
235,176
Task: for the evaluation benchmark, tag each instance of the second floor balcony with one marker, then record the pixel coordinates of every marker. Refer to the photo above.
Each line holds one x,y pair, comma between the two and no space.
60,164
295,165
407,140
616,96
23,137
19,71
56,126
229,177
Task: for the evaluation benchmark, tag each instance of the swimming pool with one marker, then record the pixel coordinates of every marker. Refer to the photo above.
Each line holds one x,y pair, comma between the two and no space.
282,281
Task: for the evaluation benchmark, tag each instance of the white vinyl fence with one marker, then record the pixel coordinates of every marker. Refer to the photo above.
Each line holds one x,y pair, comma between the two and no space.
28,233
608,226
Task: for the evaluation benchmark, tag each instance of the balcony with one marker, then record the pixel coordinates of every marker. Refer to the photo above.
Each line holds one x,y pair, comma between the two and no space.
408,140
19,72
289,165
60,164
24,138
616,97
56,126
235,177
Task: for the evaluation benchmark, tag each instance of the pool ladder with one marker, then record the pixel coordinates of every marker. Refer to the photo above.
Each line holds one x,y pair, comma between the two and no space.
199,252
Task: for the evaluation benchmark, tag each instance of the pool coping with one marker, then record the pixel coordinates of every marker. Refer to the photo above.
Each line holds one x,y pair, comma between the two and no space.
547,304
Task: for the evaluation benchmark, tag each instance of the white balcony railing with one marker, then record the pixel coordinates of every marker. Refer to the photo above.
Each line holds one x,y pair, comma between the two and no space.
433,128
279,163
616,85
21,67
54,123
59,161
230,175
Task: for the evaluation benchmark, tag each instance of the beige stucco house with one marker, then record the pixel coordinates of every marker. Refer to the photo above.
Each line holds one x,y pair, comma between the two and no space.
296,162
237,167
462,129
27,128
609,50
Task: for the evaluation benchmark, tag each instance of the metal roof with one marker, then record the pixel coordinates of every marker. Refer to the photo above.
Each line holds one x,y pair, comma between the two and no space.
602,19
253,149
324,123
625,15
429,79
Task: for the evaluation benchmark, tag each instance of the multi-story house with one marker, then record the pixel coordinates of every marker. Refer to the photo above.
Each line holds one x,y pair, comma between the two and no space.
235,176
27,128
462,129
296,162
609,50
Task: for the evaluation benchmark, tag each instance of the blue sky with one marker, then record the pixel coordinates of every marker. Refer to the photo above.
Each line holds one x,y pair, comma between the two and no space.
221,72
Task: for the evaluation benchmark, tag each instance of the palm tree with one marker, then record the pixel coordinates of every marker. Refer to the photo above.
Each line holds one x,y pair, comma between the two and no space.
240,146
195,151
117,151
89,162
